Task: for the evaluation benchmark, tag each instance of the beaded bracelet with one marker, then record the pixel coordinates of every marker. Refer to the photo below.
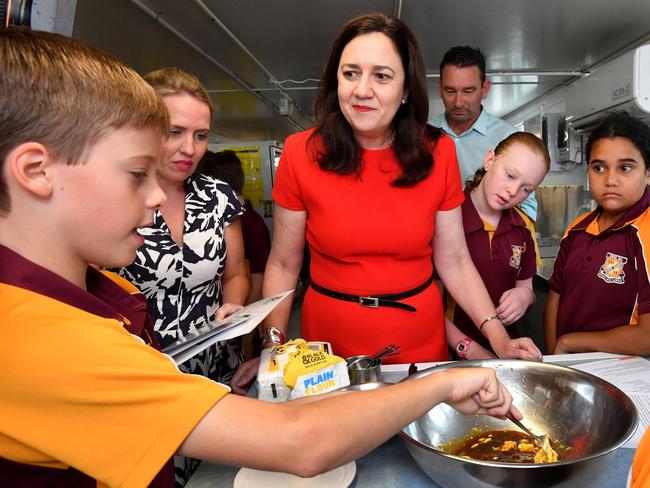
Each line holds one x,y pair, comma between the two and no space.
492,317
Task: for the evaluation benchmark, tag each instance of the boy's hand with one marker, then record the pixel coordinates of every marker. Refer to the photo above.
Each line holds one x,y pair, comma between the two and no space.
514,303
225,310
477,390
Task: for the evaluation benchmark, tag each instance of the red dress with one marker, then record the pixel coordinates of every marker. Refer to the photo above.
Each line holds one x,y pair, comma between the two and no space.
369,238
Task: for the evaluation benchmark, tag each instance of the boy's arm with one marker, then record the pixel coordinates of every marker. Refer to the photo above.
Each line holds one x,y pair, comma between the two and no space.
309,438
550,320
625,339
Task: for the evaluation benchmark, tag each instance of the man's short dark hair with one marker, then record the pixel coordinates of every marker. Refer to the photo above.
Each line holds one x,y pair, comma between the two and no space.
225,166
464,57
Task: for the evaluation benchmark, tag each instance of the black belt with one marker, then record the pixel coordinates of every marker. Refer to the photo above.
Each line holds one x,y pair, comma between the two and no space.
375,301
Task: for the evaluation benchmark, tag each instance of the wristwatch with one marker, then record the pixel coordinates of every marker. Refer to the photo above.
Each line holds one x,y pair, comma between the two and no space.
462,347
273,335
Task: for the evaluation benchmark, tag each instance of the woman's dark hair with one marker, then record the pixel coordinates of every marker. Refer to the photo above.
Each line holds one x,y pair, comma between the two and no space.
531,141
338,149
225,166
621,124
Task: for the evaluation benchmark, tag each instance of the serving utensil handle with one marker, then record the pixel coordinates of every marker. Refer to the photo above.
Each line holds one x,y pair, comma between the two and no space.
520,425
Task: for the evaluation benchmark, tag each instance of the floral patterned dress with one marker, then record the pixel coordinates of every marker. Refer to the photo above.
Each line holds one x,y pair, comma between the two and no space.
183,283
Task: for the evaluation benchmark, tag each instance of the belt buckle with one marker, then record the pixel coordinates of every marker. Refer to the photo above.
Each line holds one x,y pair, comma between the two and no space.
370,302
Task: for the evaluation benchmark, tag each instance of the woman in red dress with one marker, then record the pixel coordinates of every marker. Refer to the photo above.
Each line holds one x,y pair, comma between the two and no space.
376,194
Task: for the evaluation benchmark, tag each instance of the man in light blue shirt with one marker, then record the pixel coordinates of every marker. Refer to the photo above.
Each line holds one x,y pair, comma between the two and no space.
462,88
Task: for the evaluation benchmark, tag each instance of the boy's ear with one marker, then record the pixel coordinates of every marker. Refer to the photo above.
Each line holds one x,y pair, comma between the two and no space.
488,160
30,165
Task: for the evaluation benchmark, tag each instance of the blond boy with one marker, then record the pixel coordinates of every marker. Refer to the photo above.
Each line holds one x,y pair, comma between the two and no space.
86,402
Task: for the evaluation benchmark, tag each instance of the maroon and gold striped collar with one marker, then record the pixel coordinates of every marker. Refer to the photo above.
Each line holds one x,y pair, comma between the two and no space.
472,221
589,222
101,291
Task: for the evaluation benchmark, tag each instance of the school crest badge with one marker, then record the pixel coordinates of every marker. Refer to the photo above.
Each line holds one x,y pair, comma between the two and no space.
612,269
515,259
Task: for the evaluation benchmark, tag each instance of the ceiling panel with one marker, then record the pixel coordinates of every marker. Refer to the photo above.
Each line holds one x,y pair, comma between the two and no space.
291,39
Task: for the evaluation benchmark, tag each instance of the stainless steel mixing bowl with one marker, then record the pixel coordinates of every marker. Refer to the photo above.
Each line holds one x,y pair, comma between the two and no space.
574,408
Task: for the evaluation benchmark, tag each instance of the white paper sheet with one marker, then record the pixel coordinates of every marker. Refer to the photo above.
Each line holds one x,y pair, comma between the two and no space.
241,322
567,359
632,375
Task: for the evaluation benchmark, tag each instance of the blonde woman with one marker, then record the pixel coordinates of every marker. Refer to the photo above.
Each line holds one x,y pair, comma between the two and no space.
192,260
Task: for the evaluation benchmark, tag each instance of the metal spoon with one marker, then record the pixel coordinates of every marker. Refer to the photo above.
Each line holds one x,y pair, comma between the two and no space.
374,360
542,440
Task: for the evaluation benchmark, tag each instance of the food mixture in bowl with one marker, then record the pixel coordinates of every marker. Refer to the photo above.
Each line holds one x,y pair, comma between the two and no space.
507,446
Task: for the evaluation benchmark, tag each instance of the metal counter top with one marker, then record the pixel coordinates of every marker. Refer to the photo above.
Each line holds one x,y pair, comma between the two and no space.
391,466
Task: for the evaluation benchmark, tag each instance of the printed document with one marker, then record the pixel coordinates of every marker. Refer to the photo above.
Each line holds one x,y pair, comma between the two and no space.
239,323
631,374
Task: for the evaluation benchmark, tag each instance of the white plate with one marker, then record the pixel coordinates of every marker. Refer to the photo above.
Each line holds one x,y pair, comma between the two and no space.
340,477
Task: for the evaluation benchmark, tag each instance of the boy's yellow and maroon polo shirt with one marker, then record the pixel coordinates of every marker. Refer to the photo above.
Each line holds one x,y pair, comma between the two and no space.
602,277
84,401
502,257
641,463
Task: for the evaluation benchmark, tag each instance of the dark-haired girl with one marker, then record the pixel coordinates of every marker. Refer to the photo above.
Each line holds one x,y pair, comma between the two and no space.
599,298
